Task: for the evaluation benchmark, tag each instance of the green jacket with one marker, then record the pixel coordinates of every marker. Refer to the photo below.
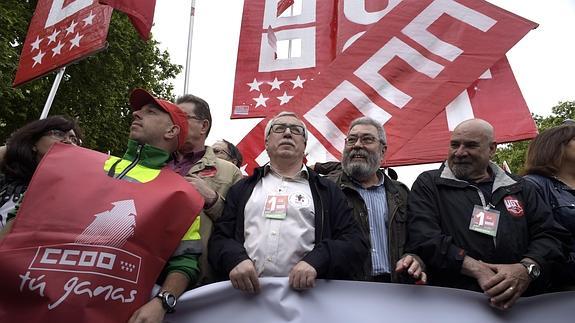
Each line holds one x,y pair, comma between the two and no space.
143,163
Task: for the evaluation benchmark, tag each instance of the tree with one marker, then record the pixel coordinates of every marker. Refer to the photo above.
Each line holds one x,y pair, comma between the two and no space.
95,90
514,154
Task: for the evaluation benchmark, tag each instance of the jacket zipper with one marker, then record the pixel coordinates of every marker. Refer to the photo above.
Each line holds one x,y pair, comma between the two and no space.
132,164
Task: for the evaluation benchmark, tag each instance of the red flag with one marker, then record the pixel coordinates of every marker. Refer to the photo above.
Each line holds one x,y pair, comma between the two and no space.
60,33
283,5
141,13
418,90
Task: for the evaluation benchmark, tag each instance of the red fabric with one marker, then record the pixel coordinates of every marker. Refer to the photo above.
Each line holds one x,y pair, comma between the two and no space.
283,5
141,13
429,95
61,33
79,229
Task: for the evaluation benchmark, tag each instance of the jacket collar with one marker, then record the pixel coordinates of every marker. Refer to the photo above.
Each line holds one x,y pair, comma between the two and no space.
149,156
502,179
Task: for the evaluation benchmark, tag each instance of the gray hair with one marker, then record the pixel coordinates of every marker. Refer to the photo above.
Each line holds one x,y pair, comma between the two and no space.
370,122
284,114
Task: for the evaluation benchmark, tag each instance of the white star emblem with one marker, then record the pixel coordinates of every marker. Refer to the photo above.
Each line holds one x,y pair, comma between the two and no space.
52,38
76,40
261,100
36,43
38,58
298,82
71,28
255,85
275,84
243,169
56,50
88,20
284,98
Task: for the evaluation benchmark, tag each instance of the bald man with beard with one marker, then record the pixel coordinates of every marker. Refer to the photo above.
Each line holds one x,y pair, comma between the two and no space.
479,228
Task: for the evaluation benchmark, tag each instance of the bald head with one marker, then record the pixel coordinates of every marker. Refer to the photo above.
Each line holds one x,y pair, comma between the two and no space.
470,150
477,126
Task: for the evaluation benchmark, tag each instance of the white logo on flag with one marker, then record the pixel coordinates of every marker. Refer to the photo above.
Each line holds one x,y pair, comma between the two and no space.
111,228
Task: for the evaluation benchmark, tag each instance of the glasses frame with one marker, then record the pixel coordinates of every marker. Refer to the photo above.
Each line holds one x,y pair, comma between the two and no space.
289,126
63,135
361,140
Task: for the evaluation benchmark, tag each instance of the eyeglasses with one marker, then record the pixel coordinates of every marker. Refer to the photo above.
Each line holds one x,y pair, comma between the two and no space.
218,151
293,128
364,140
63,135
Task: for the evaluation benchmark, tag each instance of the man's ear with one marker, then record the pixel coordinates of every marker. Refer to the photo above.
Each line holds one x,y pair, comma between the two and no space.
205,126
172,132
492,149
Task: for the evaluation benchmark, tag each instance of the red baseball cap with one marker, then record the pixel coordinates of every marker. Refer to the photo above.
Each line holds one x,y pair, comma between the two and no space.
140,97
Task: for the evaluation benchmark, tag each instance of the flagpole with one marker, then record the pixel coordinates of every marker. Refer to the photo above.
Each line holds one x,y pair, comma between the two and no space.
189,54
52,94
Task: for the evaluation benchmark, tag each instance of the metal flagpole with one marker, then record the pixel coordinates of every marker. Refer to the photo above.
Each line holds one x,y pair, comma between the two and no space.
189,54
52,94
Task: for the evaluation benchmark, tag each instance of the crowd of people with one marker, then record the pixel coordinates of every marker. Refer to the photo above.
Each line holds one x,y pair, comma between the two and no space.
467,225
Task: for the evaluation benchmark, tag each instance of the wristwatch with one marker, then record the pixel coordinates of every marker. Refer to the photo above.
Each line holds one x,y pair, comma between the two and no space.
532,269
168,301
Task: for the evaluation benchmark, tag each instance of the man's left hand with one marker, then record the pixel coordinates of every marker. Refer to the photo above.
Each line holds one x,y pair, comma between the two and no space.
508,284
210,196
413,267
302,276
151,312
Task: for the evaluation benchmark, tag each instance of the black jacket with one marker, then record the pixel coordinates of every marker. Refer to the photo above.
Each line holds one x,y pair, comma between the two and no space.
339,247
396,193
439,213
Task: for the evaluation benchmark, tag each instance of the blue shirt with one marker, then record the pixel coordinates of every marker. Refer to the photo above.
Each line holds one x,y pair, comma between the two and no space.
376,202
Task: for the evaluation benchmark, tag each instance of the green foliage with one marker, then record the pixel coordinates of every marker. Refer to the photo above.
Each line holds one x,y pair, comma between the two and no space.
94,90
514,154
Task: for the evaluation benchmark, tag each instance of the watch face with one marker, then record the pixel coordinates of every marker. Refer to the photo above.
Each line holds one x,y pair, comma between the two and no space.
170,299
535,271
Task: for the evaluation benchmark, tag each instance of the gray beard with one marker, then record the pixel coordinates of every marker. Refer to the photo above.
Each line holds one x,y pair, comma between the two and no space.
360,170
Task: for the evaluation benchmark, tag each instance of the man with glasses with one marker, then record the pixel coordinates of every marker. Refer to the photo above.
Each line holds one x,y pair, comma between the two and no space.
285,220
378,202
228,151
199,165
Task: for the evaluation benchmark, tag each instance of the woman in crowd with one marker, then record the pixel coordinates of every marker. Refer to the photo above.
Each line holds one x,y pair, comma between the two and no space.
24,150
227,151
550,166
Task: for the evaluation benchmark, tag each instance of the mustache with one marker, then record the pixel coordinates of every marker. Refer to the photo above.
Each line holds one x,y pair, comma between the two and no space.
358,152
286,142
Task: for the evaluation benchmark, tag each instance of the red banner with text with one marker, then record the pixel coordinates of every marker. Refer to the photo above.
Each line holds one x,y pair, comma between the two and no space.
87,247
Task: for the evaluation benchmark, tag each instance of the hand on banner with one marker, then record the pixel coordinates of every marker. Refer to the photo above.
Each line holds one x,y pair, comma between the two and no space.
302,276
151,312
245,277
210,196
414,267
507,285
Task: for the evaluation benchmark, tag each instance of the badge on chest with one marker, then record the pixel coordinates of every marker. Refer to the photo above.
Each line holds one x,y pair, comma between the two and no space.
484,220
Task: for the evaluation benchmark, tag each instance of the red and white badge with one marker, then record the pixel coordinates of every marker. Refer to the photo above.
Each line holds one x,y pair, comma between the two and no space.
484,220
513,206
276,207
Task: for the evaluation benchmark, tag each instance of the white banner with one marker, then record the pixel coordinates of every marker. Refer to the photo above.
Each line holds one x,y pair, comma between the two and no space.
347,301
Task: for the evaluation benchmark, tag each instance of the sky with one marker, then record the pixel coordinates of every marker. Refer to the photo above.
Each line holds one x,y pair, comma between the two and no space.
542,61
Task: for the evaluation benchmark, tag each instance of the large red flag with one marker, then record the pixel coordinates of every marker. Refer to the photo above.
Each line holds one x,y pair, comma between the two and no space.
61,33
141,13
423,56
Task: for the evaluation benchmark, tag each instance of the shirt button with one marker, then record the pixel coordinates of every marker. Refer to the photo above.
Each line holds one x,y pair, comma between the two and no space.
274,233
269,258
